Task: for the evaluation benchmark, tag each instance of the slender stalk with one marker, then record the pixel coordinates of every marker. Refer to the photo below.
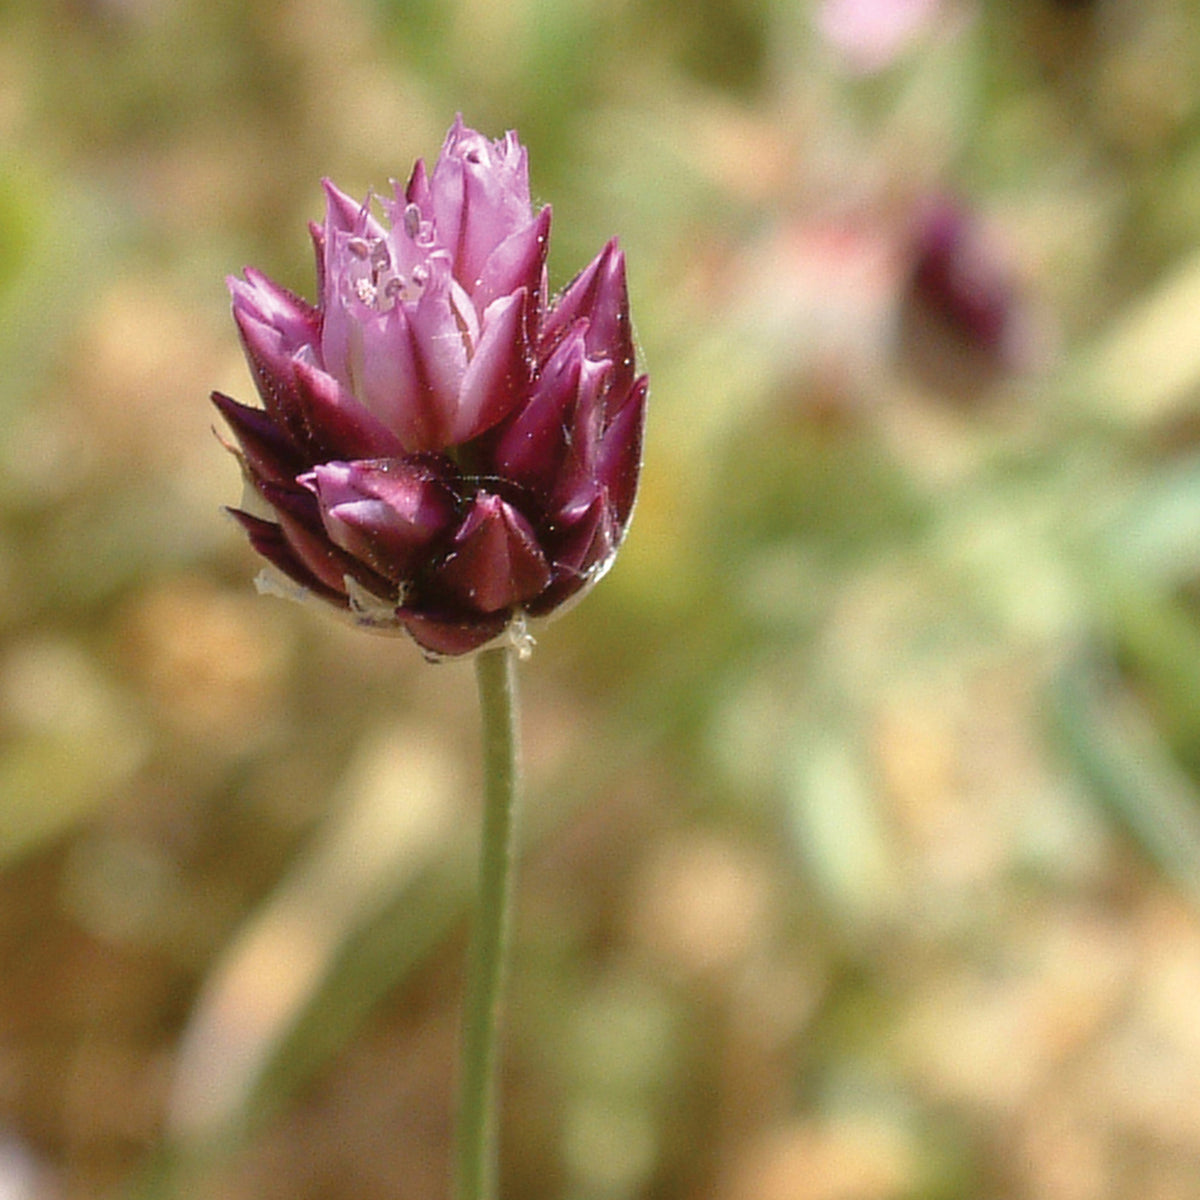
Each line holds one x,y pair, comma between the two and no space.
477,1116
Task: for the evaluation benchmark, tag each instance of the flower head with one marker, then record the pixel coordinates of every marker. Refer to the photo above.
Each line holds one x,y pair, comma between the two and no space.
442,449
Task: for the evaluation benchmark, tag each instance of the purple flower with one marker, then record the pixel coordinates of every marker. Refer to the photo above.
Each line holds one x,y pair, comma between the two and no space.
960,279
441,449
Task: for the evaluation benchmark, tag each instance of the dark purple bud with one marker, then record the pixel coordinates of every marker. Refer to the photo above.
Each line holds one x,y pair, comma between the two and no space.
268,539
584,539
300,520
619,459
452,634
551,436
958,280
267,453
496,562
599,295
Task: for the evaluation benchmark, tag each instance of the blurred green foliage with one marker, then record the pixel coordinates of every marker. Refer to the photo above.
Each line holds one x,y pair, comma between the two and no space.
862,857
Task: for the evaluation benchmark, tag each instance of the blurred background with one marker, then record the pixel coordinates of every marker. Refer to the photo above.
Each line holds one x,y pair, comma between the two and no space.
861,858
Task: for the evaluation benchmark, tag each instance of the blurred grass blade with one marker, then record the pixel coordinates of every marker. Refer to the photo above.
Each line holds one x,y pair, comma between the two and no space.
72,742
399,816
1157,538
1159,641
838,829
1120,753
50,784
1147,366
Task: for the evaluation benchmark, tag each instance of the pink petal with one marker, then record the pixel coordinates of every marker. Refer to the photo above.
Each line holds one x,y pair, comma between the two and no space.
386,512
480,195
335,421
271,364
417,192
439,352
317,233
493,381
266,301
517,262
345,215
447,203
391,380
345,218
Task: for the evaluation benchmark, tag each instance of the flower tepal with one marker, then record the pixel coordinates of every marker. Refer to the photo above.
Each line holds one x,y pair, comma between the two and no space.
441,449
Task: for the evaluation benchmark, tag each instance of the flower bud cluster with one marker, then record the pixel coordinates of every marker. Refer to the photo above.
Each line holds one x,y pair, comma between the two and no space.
441,449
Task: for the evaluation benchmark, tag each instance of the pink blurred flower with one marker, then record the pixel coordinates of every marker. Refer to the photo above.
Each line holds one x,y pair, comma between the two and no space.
441,448
871,34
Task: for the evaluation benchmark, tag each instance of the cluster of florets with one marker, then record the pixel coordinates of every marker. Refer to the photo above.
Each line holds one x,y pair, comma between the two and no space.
442,449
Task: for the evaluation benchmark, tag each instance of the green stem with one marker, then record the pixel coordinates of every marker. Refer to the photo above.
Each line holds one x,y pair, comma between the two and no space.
476,1149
